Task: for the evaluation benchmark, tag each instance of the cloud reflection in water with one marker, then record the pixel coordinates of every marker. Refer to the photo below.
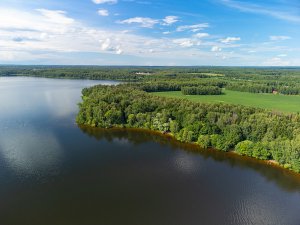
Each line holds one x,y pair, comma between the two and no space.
30,151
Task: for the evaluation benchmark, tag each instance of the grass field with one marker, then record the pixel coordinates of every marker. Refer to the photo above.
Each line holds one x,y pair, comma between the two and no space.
282,103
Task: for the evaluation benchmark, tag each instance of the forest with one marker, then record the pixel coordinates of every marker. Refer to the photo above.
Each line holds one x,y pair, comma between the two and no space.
279,80
251,131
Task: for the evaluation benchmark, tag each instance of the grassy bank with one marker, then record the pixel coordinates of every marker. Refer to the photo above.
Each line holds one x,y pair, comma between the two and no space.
284,103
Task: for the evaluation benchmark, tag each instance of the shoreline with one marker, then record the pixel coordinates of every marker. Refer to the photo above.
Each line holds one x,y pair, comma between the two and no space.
194,147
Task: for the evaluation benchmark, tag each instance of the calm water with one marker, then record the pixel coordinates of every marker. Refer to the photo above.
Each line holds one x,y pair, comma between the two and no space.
55,173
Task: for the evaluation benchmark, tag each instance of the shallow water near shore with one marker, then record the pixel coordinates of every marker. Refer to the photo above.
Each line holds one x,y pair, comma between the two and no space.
54,172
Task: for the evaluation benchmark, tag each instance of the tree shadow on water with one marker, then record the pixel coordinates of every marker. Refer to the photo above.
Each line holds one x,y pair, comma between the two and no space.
285,179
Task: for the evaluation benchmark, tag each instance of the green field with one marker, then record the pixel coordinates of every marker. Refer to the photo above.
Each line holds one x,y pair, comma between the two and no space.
284,103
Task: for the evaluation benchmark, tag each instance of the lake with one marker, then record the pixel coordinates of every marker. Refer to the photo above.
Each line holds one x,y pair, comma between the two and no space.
53,172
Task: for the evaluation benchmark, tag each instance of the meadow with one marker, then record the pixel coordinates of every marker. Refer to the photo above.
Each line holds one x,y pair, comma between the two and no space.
277,102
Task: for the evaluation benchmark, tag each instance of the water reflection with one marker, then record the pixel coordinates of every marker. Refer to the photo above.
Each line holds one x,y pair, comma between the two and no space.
31,110
25,155
60,103
34,97
287,180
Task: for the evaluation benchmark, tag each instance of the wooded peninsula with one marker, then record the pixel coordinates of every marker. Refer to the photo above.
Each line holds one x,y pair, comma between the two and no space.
253,128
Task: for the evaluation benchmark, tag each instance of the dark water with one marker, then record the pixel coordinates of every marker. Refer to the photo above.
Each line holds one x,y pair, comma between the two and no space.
54,173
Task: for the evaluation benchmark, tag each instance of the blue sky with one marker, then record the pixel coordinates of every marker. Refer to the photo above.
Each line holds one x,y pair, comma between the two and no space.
143,32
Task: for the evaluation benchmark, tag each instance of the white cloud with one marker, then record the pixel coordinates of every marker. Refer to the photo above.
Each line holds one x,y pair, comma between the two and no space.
216,49
56,16
280,12
149,22
53,31
282,55
186,42
8,55
106,44
52,36
119,51
109,45
276,61
166,32
55,21
105,1
279,38
44,37
229,40
201,35
193,28
143,21
103,12
169,20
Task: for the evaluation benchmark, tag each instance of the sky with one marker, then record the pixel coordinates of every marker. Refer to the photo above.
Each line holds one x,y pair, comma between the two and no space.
150,33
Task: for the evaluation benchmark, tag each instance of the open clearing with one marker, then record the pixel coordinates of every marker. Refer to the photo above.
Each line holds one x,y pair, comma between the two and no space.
284,103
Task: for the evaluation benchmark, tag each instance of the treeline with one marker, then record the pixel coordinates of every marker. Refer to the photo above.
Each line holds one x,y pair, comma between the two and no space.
80,72
255,80
122,73
201,90
250,131
288,74
252,88
175,85
289,90
278,87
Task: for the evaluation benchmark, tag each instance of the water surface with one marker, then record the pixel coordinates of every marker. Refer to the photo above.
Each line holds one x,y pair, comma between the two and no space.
55,173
